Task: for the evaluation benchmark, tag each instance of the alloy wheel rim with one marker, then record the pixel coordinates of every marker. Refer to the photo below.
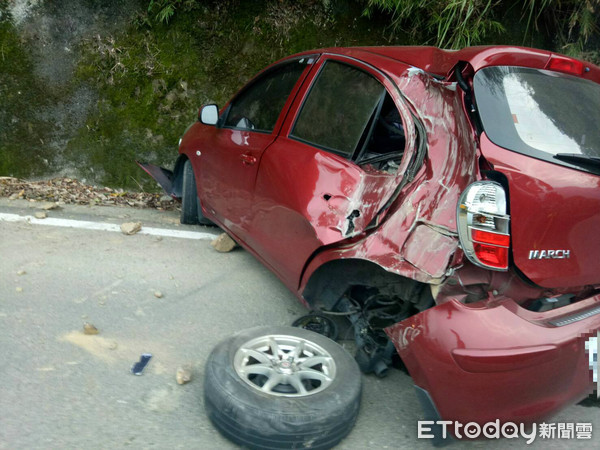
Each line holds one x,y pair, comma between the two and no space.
285,366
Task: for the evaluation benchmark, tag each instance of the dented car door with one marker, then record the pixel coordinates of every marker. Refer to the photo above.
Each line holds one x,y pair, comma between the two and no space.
327,176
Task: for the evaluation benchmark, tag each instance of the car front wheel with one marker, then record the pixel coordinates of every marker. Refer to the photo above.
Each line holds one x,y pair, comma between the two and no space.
282,387
191,210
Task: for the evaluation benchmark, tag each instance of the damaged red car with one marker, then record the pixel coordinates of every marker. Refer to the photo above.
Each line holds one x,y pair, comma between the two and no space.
447,202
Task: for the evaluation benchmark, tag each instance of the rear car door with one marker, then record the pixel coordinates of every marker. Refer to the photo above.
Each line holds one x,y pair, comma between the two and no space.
231,152
334,167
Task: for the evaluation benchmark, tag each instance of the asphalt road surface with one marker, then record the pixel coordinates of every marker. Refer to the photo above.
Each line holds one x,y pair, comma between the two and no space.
60,388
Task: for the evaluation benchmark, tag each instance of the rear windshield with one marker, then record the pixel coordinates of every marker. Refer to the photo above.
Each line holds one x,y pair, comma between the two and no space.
538,112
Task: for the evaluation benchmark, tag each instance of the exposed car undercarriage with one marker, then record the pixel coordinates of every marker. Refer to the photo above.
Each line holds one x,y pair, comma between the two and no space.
372,299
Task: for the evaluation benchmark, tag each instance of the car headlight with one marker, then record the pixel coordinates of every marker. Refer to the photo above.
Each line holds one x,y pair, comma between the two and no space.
483,225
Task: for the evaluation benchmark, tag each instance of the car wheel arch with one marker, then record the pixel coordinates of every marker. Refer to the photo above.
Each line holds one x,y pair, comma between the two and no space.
332,279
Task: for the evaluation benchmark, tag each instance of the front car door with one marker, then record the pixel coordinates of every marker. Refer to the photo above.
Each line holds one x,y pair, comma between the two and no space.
230,154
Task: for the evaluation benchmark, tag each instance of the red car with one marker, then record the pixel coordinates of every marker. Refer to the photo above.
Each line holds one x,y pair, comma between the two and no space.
448,202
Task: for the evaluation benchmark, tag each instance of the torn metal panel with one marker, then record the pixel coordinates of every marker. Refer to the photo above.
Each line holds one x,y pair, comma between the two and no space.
419,252
162,176
417,237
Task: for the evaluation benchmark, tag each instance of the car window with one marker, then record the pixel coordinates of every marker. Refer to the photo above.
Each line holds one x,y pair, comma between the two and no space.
259,105
341,104
383,141
538,112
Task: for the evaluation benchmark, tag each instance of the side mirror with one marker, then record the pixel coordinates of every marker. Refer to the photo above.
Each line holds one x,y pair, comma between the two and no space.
209,114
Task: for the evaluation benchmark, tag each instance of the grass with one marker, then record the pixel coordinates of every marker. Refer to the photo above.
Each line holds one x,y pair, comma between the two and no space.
24,131
151,79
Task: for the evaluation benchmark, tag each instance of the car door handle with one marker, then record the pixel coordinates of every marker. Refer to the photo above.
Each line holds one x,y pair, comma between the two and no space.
248,160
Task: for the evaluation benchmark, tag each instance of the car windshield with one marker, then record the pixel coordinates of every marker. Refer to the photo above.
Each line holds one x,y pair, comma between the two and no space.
539,112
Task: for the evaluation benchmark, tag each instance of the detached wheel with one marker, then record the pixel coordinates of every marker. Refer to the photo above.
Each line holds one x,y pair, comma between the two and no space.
191,210
282,387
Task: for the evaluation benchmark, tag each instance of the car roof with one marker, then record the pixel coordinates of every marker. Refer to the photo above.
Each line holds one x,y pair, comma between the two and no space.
441,62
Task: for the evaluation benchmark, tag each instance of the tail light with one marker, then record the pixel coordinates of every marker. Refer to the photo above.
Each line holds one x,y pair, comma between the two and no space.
483,225
564,64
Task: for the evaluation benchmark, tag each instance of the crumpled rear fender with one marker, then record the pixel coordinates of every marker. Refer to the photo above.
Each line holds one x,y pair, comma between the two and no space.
417,236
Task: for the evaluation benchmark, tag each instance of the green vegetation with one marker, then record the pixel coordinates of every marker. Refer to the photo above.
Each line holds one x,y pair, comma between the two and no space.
454,23
163,10
152,78
460,23
574,23
24,130
144,81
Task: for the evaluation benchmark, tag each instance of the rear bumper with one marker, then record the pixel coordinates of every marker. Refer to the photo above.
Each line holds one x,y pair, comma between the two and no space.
486,363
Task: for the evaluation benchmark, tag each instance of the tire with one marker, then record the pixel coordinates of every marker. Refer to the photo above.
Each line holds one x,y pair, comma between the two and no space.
201,219
318,412
319,324
191,210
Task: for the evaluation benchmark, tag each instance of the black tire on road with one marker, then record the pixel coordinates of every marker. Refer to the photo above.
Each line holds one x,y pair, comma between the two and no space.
191,210
308,396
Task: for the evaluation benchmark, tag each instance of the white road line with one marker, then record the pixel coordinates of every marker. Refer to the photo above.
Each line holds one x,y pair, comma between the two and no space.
86,225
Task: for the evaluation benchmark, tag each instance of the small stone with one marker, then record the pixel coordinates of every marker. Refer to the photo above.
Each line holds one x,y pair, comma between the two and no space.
47,206
110,344
166,199
21,272
223,243
158,294
130,228
183,374
40,215
88,328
